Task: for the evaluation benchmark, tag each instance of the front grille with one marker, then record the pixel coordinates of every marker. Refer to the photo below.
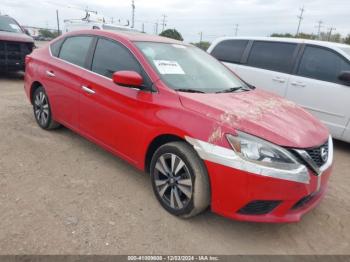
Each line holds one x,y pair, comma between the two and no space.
315,154
12,54
259,207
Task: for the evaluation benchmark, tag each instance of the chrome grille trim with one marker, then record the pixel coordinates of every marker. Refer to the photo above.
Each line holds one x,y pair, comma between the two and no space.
312,164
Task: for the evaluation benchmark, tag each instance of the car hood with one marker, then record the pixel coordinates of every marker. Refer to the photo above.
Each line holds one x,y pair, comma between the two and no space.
15,37
262,114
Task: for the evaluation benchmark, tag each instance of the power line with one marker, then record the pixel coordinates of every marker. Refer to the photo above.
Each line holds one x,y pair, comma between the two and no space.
236,29
132,14
164,22
300,18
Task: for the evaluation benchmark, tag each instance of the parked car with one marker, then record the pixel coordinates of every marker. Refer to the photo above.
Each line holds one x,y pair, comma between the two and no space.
14,44
314,74
205,137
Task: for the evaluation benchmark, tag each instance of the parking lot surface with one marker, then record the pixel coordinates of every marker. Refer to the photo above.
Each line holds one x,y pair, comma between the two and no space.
61,194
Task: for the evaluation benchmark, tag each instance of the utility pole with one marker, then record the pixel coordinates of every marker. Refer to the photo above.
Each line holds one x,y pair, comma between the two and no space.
112,20
319,26
236,29
200,39
331,29
156,27
133,14
58,23
143,27
300,18
164,22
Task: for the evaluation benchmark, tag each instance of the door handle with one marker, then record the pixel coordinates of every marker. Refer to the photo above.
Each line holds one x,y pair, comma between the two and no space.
88,90
50,73
279,79
298,84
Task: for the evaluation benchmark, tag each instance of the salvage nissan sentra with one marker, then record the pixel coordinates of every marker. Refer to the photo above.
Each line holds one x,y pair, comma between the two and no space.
205,137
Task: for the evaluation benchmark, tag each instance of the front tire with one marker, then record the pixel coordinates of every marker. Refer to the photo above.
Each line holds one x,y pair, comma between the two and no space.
42,110
180,180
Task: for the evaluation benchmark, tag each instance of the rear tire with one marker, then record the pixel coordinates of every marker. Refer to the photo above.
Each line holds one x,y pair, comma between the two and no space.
42,110
180,179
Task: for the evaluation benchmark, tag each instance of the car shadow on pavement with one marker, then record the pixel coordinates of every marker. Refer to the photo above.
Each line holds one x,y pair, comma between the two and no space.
12,75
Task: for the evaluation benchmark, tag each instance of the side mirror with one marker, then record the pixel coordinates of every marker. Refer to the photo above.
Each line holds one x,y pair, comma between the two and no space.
26,32
128,79
345,77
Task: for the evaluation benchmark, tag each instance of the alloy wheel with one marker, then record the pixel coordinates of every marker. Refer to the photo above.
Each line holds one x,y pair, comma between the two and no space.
41,108
173,181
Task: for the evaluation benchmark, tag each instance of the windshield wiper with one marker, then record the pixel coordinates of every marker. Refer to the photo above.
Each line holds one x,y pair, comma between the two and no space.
189,90
4,30
229,90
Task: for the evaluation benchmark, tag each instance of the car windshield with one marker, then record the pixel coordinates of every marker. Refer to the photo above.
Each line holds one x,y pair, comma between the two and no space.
346,50
187,68
7,24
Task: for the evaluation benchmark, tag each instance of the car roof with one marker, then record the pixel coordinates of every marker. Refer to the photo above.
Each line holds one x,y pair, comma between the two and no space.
340,48
127,35
289,40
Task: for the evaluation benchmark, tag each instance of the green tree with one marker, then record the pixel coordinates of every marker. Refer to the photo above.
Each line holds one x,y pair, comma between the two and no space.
347,39
172,33
202,45
282,35
307,36
48,33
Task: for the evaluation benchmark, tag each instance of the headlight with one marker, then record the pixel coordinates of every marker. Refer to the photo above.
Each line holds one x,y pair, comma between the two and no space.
261,152
255,156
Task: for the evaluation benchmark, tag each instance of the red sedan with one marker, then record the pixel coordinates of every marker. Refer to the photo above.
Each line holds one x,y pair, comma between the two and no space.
205,137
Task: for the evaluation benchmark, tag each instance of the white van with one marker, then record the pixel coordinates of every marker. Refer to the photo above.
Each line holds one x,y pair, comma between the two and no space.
83,25
314,74
93,21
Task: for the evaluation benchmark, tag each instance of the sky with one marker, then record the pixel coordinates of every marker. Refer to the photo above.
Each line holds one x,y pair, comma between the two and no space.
214,18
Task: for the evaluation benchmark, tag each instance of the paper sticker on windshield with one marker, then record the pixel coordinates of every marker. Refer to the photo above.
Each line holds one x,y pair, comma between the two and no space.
168,67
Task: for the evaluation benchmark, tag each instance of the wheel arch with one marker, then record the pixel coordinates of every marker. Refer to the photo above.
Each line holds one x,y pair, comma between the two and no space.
157,142
35,85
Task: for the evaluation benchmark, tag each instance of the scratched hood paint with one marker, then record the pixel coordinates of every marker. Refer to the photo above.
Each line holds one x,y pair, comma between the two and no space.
261,114
15,37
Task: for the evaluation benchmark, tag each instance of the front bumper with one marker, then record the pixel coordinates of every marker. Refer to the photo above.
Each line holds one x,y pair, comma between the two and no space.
233,190
242,191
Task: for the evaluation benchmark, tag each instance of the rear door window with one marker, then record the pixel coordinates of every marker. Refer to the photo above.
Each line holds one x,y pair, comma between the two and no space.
75,49
230,50
273,56
322,64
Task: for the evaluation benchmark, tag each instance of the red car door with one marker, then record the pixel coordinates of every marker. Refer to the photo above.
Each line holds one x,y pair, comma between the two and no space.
112,115
63,77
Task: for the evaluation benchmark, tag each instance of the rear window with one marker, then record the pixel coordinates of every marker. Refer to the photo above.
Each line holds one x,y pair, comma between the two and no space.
230,50
75,49
272,56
